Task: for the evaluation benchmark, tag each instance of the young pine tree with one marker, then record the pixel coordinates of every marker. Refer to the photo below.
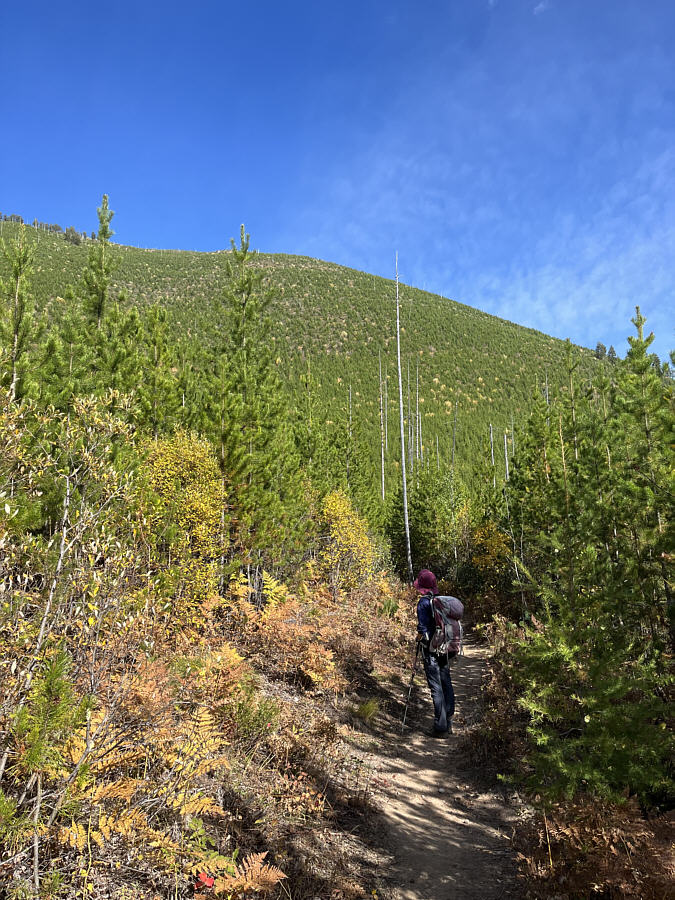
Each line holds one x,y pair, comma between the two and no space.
100,266
594,675
157,391
644,402
114,349
63,363
250,420
17,323
112,325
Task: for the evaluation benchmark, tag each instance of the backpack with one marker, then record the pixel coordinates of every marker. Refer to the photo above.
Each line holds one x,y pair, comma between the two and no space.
449,634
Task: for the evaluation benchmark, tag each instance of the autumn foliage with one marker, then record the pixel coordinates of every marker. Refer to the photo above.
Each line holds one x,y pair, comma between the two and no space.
349,556
137,702
191,599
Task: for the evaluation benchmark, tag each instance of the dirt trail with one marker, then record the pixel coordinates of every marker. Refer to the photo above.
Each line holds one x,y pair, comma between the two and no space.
447,823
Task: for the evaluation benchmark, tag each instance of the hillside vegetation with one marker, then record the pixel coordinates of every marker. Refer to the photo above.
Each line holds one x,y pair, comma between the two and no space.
199,607
330,325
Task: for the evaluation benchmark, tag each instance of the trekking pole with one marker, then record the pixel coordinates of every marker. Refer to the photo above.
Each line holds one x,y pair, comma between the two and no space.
412,678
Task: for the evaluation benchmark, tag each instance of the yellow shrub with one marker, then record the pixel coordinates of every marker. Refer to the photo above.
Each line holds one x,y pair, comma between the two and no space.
490,548
349,556
183,474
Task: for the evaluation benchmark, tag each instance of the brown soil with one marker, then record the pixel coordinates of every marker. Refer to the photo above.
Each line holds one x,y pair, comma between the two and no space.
447,822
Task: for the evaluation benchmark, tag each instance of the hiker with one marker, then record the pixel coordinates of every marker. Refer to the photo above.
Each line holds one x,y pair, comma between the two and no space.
436,666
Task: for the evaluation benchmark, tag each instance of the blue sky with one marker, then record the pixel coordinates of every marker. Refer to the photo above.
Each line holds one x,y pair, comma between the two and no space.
519,154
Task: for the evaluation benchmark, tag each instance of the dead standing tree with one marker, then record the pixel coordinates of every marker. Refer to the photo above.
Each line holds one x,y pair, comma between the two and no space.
400,408
381,426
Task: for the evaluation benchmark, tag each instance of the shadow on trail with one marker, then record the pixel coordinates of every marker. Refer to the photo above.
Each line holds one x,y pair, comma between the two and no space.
466,673
411,817
447,817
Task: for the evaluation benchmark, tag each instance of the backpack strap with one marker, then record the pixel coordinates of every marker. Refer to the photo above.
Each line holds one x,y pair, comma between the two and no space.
430,595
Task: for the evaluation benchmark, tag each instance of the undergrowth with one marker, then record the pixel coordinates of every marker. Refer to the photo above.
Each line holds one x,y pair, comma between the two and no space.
221,766
574,848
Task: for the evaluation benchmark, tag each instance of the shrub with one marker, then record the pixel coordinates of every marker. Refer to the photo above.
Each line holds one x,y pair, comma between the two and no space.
349,555
185,504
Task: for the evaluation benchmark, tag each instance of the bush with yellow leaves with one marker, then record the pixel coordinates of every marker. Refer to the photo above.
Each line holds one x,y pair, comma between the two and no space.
188,511
491,573
349,556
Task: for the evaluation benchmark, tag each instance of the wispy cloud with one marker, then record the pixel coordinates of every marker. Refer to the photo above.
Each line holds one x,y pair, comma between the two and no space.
542,7
546,198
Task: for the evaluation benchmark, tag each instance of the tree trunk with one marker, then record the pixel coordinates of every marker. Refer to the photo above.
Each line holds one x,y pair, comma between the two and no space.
400,407
381,428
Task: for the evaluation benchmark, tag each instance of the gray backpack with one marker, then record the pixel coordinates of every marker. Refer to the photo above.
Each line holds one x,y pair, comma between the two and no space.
449,635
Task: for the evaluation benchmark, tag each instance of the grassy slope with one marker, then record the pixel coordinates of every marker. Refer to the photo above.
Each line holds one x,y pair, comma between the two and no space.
337,320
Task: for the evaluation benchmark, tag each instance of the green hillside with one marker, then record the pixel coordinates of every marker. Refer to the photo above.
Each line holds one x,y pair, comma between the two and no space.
200,631
334,322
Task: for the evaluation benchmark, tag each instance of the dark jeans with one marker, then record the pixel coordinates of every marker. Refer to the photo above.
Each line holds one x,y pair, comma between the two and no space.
442,693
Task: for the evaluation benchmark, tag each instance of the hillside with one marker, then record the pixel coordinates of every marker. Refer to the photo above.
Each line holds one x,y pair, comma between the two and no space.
206,649
335,321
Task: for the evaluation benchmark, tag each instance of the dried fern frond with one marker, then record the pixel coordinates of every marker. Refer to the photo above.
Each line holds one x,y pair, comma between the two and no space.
123,789
198,805
275,594
213,862
74,836
127,824
253,874
118,760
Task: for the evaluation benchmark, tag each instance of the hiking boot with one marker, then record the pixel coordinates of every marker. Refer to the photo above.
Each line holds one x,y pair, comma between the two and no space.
437,734
449,726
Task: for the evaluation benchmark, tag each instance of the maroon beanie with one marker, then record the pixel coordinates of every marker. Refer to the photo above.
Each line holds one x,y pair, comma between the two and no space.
426,581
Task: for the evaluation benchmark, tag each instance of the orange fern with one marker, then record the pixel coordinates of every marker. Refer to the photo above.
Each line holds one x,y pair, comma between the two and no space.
252,875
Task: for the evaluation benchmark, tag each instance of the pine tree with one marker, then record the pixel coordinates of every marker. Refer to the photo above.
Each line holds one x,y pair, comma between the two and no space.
112,328
594,673
17,323
92,345
64,363
114,347
644,406
99,269
364,478
157,391
248,419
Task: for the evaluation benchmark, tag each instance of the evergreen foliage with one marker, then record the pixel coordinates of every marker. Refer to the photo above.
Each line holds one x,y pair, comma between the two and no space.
326,320
157,389
99,269
248,416
180,431
591,492
441,516
17,324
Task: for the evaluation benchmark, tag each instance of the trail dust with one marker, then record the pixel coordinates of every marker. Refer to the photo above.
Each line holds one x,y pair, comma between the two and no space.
446,821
